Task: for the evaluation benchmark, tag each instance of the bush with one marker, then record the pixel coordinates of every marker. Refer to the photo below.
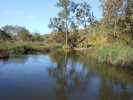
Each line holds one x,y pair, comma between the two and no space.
66,47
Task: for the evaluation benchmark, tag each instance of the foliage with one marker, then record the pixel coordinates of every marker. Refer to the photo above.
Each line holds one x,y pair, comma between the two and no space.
60,37
116,54
15,47
66,46
117,16
84,16
62,22
4,35
19,33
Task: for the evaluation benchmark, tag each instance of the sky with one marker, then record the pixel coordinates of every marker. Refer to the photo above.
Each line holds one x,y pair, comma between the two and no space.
35,14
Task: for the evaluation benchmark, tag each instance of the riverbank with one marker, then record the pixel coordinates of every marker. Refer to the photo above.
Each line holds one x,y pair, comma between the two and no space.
4,54
88,49
115,54
20,47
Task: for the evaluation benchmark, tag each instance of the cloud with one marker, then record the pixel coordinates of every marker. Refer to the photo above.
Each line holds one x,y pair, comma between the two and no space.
5,12
30,16
18,13
13,12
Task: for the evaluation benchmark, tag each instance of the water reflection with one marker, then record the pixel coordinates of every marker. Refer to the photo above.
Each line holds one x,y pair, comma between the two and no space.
70,80
63,75
73,80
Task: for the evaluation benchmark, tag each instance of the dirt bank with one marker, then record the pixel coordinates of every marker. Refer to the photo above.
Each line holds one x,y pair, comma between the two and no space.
4,54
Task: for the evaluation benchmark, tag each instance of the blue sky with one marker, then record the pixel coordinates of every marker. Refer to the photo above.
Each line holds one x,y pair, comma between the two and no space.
35,14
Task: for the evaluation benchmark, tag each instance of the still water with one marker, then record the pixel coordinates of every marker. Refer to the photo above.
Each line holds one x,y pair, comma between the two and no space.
63,75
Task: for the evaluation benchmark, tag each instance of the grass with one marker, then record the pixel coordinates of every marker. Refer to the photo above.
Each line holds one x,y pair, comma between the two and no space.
116,54
66,46
19,47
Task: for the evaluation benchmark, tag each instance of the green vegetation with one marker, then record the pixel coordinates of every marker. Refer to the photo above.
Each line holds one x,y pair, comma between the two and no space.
119,55
15,47
66,46
112,35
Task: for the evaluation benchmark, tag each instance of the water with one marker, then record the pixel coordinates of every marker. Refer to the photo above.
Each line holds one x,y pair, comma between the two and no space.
63,75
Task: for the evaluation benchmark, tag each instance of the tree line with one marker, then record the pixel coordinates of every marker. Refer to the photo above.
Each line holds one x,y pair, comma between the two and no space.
69,18
9,32
118,18
75,22
116,24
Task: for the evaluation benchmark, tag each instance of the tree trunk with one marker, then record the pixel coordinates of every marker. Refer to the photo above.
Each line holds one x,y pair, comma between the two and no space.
115,28
73,37
66,31
94,33
86,38
54,33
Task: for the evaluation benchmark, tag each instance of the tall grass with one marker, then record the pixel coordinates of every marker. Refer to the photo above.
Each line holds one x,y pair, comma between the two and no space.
19,47
120,55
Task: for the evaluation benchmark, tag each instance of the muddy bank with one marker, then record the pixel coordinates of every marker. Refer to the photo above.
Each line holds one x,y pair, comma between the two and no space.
19,51
110,57
33,50
121,63
30,51
4,54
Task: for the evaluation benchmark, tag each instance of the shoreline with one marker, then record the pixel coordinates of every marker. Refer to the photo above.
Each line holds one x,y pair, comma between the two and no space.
4,54
89,48
111,55
97,53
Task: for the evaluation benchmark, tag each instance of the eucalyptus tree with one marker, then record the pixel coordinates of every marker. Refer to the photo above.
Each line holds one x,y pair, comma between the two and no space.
58,27
74,27
4,35
129,13
84,16
112,11
10,30
55,24
67,7
24,35
95,25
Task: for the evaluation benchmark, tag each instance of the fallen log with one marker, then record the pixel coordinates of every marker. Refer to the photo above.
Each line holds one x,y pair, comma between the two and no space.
89,49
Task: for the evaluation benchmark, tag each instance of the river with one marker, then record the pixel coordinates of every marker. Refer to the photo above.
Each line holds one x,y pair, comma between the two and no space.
63,75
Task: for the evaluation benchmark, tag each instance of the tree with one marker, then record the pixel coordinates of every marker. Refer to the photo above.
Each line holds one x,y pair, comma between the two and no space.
129,13
24,34
4,35
10,30
36,35
95,25
84,16
55,24
67,7
58,27
112,10
74,36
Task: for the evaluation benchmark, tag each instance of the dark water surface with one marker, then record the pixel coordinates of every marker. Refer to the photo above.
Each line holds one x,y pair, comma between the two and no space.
62,75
